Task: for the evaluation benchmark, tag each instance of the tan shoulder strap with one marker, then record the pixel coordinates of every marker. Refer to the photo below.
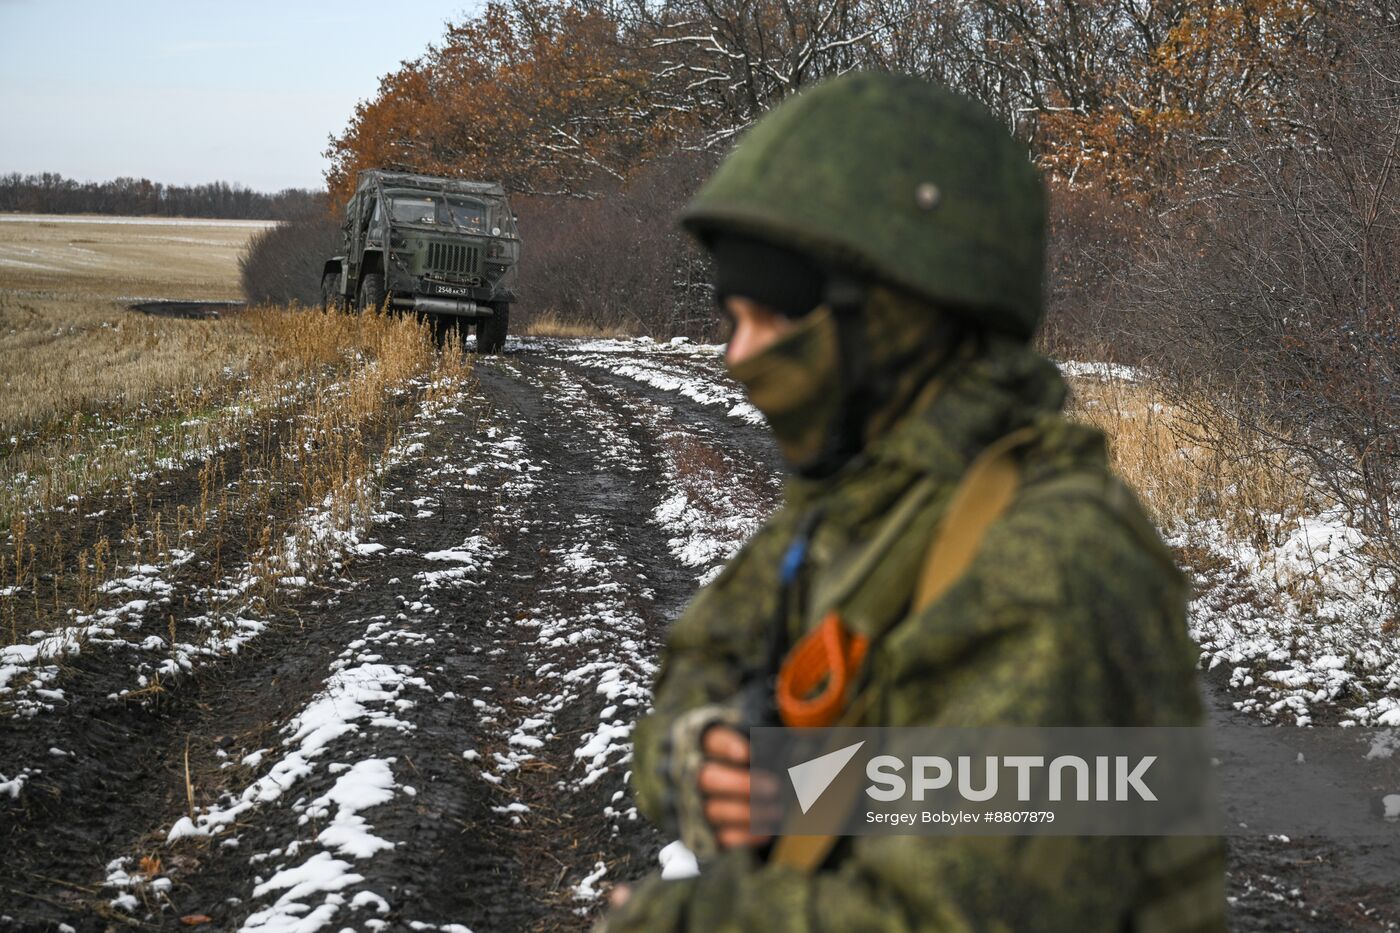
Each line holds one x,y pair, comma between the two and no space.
983,495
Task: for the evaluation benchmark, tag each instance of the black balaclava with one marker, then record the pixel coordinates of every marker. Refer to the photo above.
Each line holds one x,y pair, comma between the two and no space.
785,280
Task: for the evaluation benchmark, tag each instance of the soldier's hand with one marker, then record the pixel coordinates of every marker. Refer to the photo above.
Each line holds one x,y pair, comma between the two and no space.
730,792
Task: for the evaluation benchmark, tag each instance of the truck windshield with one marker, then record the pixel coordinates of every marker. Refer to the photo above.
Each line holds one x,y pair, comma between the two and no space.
469,214
414,210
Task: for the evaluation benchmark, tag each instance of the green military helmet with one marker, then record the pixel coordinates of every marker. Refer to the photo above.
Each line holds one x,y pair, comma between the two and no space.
896,178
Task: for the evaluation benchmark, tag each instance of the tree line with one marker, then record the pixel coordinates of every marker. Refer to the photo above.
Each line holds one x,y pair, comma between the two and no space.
1135,109
51,193
552,95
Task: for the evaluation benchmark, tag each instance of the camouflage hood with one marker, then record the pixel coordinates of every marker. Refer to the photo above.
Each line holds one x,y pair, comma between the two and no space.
987,388
990,386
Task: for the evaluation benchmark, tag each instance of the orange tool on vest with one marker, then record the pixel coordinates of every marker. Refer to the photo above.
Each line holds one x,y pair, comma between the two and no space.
817,675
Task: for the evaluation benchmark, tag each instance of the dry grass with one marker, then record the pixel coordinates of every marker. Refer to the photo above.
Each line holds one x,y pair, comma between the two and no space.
288,457
67,341
207,384
244,448
62,355
112,257
1191,463
552,324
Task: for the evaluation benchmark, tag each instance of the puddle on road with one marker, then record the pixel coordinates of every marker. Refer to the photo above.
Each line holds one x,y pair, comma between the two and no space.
190,310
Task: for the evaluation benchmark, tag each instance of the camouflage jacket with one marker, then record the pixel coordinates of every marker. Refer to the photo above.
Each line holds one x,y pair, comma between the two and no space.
1071,614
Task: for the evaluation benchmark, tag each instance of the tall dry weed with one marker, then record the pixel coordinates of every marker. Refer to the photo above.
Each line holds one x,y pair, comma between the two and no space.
1193,462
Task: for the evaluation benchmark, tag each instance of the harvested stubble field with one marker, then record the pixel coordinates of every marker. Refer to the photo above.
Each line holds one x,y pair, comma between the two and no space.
68,343
132,440
89,256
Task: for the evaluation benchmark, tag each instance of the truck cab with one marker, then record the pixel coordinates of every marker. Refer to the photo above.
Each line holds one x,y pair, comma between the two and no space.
443,248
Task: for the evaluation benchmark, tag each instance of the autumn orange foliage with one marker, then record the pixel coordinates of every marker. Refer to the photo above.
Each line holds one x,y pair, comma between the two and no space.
549,94
1190,68
538,93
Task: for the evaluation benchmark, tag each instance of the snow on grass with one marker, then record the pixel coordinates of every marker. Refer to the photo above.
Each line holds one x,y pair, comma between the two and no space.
585,890
1105,371
320,537
1299,623
25,671
12,786
129,883
716,504
707,531
1299,612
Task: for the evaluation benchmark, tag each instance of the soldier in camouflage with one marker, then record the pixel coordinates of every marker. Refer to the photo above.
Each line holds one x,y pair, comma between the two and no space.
879,247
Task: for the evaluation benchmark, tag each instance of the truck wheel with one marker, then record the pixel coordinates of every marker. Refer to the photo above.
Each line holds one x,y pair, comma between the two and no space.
372,292
491,332
329,299
445,325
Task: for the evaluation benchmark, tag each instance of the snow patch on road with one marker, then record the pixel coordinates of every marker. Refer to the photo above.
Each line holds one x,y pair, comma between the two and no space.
692,371
352,698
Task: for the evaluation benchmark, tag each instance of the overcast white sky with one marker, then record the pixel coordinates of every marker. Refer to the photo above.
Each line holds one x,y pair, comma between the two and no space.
196,91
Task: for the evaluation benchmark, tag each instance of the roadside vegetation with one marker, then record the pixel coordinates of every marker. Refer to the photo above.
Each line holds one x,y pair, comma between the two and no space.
224,487
1295,597
283,264
188,464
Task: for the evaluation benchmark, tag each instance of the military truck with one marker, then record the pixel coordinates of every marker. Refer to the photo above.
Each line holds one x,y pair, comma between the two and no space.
443,248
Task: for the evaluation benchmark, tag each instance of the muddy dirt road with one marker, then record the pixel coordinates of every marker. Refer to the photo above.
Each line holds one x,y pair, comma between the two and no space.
435,735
